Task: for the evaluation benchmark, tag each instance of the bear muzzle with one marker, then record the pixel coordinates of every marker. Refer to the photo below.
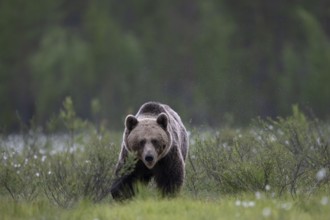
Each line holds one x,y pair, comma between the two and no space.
149,158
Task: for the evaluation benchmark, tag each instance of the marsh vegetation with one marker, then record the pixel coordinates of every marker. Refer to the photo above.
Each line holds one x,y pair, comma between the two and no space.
282,163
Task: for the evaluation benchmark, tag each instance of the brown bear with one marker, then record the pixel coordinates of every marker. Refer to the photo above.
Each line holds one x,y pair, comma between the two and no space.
158,138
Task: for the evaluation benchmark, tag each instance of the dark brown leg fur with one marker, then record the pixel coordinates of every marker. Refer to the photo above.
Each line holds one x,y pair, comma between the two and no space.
123,187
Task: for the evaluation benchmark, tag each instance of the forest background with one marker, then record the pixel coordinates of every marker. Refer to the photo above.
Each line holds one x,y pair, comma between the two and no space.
213,61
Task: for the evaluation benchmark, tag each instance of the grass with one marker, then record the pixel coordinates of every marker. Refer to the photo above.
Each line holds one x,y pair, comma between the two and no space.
272,169
243,206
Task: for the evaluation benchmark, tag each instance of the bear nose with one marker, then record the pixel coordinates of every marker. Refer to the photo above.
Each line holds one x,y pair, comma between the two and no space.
149,158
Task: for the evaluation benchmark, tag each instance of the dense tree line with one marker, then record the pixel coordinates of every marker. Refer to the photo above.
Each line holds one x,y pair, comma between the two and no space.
211,60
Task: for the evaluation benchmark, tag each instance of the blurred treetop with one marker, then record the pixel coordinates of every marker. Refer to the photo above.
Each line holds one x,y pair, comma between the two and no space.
212,61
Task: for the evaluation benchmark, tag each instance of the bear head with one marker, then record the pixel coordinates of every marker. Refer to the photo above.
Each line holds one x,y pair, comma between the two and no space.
148,138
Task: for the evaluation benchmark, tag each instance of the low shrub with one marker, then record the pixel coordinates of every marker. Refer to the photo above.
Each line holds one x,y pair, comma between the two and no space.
65,167
73,160
283,155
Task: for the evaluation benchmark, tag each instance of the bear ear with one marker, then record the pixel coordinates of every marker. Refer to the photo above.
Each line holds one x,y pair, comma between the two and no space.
131,122
162,120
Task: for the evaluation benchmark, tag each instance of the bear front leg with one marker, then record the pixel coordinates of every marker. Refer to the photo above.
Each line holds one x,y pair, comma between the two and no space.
122,187
169,181
170,185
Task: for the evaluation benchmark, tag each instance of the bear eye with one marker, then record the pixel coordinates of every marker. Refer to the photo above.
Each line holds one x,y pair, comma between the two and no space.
163,146
142,142
155,142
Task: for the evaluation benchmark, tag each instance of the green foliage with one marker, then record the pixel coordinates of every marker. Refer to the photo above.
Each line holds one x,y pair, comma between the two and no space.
20,176
62,59
64,168
242,207
271,157
283,155
318,54
305,75
70,178
213,56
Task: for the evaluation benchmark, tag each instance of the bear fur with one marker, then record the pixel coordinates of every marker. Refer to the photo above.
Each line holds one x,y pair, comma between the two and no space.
159,140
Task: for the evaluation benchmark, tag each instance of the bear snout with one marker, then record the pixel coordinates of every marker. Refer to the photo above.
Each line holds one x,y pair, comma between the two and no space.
149,158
